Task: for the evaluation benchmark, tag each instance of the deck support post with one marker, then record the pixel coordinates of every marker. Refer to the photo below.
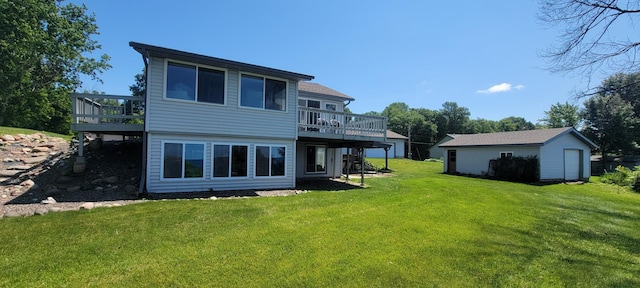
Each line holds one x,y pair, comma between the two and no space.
348,162
361,152
80,164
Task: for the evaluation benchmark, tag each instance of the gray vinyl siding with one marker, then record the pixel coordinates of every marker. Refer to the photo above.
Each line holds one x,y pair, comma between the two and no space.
552,160
475,160
190,117
154,169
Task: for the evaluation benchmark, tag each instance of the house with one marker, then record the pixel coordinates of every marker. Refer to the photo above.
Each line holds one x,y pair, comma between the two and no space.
396,150
437,152
599,167
214,124
563,153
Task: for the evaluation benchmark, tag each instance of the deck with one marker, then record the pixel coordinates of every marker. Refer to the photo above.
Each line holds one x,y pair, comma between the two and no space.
317,123
125,115
107,113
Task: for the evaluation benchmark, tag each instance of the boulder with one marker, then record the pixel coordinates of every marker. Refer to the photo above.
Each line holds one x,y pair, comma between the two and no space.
7,137
49,200
34,160
111,180
41,149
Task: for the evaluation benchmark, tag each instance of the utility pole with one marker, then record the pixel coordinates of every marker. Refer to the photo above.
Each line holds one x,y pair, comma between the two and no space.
409,136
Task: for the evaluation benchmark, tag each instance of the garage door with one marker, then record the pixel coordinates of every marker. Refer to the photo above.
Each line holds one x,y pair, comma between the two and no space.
571,164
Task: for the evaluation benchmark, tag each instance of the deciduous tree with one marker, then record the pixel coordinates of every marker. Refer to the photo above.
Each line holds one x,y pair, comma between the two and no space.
561,115
590,36
45,47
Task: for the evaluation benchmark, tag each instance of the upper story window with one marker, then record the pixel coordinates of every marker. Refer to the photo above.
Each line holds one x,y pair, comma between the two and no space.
195,83
264,93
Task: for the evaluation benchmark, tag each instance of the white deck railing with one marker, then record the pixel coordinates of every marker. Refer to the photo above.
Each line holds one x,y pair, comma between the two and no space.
323,122
107,110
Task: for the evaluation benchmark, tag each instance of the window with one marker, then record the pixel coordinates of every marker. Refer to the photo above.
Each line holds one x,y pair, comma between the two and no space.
316,159
330,107
264,93
183,160
194,83
270,160
230,160
506,155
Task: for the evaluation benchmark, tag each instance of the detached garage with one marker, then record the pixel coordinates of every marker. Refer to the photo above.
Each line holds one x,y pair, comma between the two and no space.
563,153
397,142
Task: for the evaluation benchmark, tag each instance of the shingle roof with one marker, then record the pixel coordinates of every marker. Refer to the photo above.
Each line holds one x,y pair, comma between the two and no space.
529,137
155,51
394,135
316,88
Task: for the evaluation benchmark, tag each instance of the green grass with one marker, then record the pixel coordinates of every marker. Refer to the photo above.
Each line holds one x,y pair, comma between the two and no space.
420,228
13,131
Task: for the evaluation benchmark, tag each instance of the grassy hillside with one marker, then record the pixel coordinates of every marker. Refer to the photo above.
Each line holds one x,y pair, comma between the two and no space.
14,131
419,228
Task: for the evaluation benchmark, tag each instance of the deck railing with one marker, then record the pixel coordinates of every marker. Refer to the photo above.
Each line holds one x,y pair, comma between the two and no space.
107,110
325,122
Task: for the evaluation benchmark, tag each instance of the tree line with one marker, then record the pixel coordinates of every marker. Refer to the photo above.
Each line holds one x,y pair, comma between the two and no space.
610,118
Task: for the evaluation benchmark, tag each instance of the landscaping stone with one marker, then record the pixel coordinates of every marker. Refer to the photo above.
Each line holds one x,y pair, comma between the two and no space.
19,167
49,200
63,179
34,160
72,189
7,137
131,189
41,149
8,173
87,206
111,180
41,211
54,209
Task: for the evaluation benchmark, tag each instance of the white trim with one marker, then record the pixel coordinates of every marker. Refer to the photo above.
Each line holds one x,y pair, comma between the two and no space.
230,145
264,83
255,160
183,143
164,83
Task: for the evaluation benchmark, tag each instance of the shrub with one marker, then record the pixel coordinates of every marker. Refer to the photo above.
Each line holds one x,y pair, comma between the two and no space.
623,177
519,169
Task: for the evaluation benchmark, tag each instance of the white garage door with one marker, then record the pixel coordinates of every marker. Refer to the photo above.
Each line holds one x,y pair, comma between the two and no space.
571,164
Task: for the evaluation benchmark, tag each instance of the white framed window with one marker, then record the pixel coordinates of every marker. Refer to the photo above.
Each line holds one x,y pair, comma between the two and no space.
270,160
196,83
316,159
182,160
263,93
230,160
506,155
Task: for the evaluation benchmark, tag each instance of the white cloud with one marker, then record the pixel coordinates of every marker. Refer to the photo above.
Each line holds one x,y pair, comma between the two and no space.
503,87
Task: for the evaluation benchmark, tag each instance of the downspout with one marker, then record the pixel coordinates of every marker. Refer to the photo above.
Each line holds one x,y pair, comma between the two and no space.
143,175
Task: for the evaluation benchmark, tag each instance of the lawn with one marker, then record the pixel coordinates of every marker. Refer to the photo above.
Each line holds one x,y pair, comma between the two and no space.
419,228
13,131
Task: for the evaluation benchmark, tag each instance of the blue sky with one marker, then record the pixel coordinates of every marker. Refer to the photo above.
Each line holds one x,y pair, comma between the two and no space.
484,55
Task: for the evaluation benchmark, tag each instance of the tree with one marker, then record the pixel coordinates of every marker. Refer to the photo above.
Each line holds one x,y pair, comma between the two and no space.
589,39
514,124
561,115
608,121
139,89
43,51
452,119
480,125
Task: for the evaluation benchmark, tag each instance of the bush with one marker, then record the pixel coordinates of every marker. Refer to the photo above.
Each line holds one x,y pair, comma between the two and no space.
623,177
519,169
